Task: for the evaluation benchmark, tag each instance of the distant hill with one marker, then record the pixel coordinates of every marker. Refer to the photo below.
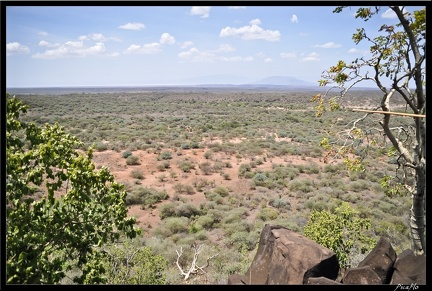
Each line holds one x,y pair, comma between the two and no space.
283,81
224,79
243,81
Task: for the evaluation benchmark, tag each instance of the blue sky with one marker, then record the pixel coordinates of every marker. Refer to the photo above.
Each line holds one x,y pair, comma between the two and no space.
50,46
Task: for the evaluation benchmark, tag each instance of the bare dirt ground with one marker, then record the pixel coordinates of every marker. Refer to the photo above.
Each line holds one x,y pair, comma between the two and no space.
148,219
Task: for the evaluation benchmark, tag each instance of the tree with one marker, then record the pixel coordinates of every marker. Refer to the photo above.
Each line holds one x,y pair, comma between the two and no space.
341,231
129,262
81,208
397,56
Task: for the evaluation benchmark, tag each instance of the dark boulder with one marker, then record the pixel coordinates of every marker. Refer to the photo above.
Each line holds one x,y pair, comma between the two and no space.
409,269
286,257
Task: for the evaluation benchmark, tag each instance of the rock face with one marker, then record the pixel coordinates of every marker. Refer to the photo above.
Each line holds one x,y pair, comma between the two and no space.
376,268
409,268
288,258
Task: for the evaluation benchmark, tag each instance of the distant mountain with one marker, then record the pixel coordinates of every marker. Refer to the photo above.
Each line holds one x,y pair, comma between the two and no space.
233,80
283,81
215,80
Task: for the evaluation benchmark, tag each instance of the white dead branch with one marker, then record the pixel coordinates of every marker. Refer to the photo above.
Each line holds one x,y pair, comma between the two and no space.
194,268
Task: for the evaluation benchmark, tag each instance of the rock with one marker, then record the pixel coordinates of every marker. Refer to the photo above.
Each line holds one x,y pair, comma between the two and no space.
409,269
381,259
286,257
362,275
321,281
236,279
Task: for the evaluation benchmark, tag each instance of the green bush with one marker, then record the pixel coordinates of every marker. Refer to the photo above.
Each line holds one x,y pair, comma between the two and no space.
267,213
260,179
340,231
186,210
133,160
177,224
206,221
145,196
243,169
222,191
167,210
206,168
302,185
279,203
126,154
100,147
186,166
165,155
137,174
235,215
132,263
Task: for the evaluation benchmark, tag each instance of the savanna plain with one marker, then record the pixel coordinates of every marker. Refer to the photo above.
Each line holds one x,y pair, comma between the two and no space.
211,167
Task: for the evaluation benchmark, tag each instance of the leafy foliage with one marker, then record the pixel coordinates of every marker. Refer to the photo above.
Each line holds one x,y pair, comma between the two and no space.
131,263
44,236
340,231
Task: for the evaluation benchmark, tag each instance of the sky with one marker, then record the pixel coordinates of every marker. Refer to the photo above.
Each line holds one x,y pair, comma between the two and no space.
65,46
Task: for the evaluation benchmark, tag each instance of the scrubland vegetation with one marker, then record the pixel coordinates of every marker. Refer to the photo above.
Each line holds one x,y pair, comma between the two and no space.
271,140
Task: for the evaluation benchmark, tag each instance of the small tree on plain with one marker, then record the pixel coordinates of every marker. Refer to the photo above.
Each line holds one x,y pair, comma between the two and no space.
397,55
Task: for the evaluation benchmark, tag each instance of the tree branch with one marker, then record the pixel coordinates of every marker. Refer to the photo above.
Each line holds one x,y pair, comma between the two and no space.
194,268
391,113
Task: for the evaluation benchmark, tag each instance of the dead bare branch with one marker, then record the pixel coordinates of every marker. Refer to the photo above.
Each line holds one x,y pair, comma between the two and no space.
194,268
391,113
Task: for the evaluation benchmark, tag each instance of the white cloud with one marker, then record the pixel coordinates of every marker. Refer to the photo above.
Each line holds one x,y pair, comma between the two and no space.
311,57
72,49
132,26
133,48
93,36
43,33
48,44
166,38
195,55
151,48
328,45
255,21
231,59
251,32
390,13
225,48
268,60
236,7
13,48
99,37
287,55
201,11
294,19
358,52
186,44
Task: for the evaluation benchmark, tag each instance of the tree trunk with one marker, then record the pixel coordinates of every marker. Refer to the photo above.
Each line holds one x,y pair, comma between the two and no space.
418,211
